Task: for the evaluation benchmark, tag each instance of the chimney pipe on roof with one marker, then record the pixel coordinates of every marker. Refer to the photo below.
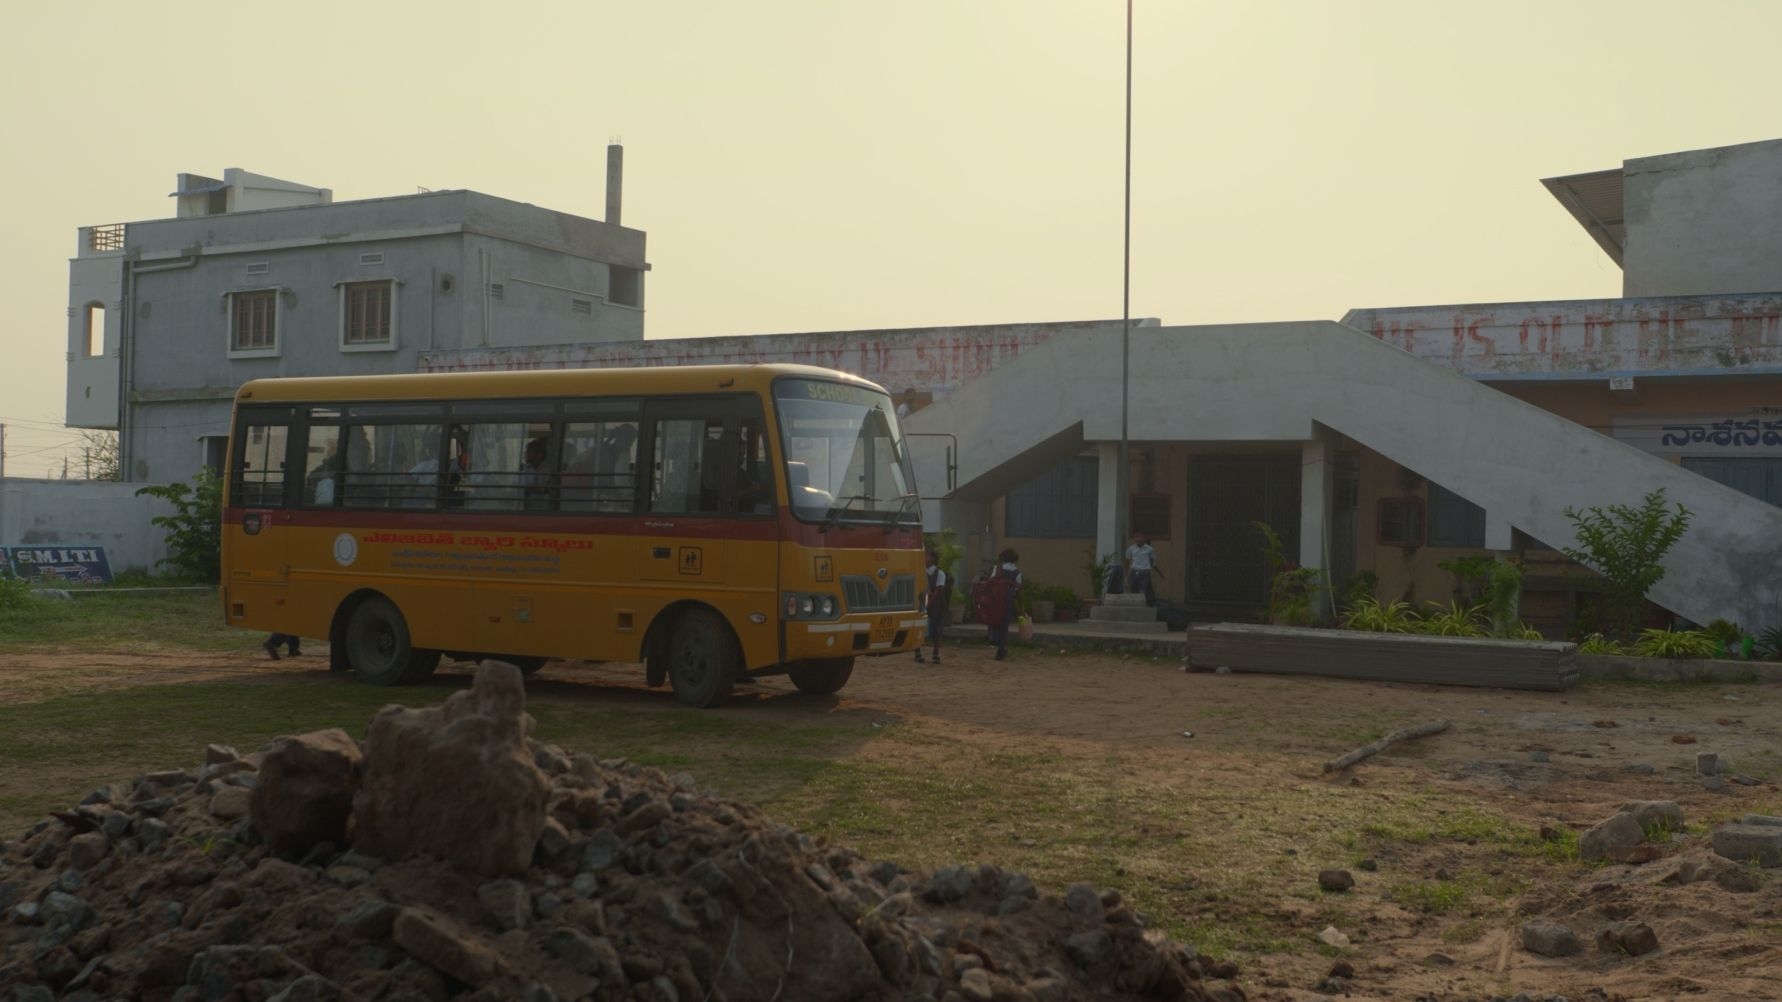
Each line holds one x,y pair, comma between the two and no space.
615,180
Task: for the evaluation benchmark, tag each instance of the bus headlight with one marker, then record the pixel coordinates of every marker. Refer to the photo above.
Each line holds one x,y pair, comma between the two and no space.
800,605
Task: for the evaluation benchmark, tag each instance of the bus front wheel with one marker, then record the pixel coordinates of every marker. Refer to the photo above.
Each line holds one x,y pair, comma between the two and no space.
702,659
821,678
378,647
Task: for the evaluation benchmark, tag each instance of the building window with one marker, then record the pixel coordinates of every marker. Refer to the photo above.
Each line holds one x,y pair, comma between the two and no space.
368,315
253,322
625,286
1149,514
1757,477
1057,504
1401,522
1453,520
95,346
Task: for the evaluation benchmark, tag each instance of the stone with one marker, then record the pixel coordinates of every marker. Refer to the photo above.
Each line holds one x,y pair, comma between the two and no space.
1367,864
1083,901
948,884
443,945
152,833
585,885
975,985
1550,939
1707,763
1714,784
602,851
1335,881
60,908
1330,935
1761,844
1089,949
1649,814
309,988
306,791
1768,820
230,803
507,902
219,754
1020,884
455,781
1621,831
368,920
87,849
1631,938
578,949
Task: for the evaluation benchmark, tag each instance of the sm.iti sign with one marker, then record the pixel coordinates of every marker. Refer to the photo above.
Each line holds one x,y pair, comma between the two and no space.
77,564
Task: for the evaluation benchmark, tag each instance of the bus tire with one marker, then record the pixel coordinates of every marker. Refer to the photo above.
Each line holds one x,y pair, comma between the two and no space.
377,643
701,658
529,666
821,678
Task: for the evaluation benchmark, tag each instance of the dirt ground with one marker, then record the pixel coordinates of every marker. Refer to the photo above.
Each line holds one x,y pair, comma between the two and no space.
1535,758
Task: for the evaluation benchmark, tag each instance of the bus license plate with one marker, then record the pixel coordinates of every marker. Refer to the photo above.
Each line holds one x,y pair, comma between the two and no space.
883,629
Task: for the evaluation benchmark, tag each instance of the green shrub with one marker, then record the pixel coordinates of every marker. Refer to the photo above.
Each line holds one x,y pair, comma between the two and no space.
1596,643
195,529
1675,644
1369,615
1769,645
1455,620
15,593
1626,545
1292,589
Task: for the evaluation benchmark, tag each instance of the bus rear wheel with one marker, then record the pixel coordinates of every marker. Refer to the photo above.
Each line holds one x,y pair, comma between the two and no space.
702,659
378,647
529,666
821,678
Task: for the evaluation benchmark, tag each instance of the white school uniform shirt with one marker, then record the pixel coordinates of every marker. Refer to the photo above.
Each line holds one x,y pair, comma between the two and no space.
1141,556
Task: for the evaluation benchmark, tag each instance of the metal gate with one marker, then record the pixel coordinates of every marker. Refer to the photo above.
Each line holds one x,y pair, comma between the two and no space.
1225,565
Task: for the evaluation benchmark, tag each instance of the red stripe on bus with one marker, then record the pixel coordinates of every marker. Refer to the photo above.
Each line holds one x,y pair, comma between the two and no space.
841,536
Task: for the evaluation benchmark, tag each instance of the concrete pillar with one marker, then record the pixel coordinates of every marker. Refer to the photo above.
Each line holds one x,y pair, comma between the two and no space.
1107,500
1497,532
1315,477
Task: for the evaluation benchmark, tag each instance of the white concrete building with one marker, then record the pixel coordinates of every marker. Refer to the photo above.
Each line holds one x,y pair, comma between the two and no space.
256,277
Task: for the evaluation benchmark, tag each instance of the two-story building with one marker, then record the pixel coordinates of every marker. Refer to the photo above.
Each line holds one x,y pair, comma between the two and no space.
257,277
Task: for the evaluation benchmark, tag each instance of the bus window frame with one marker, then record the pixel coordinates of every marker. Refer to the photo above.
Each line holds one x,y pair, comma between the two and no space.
245,418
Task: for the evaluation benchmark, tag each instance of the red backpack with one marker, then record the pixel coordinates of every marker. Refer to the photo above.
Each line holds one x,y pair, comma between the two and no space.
991,597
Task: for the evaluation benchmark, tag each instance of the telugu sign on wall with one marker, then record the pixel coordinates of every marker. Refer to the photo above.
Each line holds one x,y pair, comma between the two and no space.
72,564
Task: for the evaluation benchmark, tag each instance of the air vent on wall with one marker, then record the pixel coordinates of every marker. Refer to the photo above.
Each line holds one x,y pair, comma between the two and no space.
259,268
375,257
496,290
581,306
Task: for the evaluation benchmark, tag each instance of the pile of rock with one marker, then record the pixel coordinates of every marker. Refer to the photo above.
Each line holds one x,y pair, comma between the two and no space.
452,855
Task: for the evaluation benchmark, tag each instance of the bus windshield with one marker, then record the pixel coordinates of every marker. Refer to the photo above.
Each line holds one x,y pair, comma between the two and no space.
845,459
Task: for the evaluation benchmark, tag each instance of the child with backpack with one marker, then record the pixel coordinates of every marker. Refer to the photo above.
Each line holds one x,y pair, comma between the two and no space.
999,597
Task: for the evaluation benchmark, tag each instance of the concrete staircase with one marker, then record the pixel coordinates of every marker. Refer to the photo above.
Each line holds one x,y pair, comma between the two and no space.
1126,613
1282,383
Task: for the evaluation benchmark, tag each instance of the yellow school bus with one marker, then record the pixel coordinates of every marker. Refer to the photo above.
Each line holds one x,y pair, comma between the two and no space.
711,522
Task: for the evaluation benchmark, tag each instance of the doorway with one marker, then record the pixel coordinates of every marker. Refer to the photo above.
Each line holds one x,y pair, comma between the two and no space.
1227,573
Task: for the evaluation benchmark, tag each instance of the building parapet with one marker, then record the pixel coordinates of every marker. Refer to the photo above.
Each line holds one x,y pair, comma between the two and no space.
1589,338
105,239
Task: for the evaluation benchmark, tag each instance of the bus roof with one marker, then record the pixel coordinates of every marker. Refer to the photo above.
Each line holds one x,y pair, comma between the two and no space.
536,382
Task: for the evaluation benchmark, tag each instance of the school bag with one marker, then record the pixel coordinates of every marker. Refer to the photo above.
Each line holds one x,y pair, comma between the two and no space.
992,597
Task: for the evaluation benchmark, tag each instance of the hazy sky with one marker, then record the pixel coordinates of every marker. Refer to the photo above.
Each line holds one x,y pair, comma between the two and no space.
831,164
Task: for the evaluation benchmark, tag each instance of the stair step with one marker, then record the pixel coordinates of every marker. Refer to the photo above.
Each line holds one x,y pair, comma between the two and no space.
1118,614
1123,599
1113,626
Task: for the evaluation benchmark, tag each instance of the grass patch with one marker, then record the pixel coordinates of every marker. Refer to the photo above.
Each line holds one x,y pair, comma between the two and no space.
106,623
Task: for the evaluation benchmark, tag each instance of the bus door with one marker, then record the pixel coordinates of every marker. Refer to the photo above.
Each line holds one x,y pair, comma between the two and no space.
260,489
688,493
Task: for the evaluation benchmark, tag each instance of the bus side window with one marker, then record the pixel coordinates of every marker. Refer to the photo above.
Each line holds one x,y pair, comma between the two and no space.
321,476
598,466
754,480
260,466
682,481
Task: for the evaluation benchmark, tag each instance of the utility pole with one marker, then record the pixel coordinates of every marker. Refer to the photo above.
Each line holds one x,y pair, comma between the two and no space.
2,450
1122,489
